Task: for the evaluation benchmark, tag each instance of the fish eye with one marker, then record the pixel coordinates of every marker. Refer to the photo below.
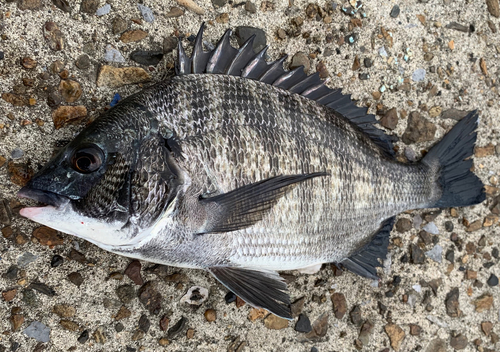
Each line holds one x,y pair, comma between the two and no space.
87,159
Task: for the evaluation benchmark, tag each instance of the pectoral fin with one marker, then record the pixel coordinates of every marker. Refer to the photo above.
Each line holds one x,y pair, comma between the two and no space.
261,289
247,205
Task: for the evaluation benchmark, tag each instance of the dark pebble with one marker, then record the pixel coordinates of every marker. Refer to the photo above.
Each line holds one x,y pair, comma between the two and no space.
62,5
191,38
2,55
494,252
56,261
493,280
177,328
144,323
150,297
29,297
42,288
130,349
83,62
488,265
364,76
396,280
450,256
230,297
250,7
11,273
303,324
403,225
382,308
368,62
125,293
395,11
76,278
14,346
89,6
457,26
146,57
83,337
448,225
351,38
297,306
355,316
243,33
417,255
119,327
119,25
133,271
219,3
169,44
314,349
77,256
452,303
389,294
458,342
404,258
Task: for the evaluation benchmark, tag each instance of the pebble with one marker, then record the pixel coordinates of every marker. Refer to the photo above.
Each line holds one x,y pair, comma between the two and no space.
396,335
431,228
435,320
113,55
77,256
196,295
250,7
355,315
274,322
29,4
417,255
177,328
28,63
436,253
219,3
365,332
322,70
15,99
487,327
103,10
26,258
84,337
483,303
418,75
133,272
146,13
16,320
123,313
114,77
125,293
303,324
257,313
243,33
119,25
390,119
493,7
144,323
150,297
459,341
99,335
169,44
64,310
11,273
69,325
493,280
147,57
230,297
297,306
458,27
5,211
300,59
164,321
70,90
452,303
62,5
53,36
395,11
17,153
75,278
29,297
436,345
133,36
38,331
9,294
89,6
83,62
47,236
339,304
419,129
65,115
210,315
382,52
175,12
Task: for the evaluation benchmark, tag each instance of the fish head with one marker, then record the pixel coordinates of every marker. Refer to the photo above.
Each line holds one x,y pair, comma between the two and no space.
102,185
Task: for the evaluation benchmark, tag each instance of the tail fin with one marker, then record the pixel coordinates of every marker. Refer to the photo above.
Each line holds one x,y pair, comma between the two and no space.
459,186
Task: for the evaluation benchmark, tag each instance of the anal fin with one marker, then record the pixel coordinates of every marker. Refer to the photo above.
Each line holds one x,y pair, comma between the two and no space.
260,289
365,261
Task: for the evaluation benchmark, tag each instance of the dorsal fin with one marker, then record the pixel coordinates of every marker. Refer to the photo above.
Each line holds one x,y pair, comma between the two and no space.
244,62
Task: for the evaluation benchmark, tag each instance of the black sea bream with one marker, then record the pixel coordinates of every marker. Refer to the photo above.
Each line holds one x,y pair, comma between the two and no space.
242,168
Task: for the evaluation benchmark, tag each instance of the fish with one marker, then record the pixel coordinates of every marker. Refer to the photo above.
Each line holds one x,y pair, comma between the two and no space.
242,168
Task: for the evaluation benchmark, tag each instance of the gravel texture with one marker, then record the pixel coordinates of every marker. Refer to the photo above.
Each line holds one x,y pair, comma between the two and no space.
419,65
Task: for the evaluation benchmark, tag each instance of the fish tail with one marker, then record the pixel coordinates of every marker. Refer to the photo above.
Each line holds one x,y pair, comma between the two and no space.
451,161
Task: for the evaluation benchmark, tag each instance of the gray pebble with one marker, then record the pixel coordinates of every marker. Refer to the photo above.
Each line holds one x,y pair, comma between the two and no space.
113,55
83,62
395,11
382,52
410,154
431,228
38,331
493,280
17,153
103,10
418,75
435,253
146,12
437,321
417,221
250,7
26,258
219,3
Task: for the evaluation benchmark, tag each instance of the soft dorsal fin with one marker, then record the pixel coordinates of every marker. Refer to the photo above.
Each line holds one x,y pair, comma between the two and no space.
244,62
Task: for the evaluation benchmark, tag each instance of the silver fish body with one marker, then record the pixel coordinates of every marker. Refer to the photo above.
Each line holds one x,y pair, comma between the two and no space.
241,168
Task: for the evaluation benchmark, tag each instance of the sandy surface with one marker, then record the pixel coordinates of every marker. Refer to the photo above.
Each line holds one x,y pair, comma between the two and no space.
420,27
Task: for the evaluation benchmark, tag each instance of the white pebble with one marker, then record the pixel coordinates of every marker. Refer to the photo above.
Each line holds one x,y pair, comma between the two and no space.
431,228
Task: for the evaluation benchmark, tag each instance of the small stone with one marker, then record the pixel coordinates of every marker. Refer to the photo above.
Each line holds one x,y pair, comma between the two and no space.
493,7
368,62
281,34
297,306
150,297
300,59
257,313
303,324
493,280
76,278
163,341
403,225
419,129
396,335
219,3
230,297
133,36
69,325
123,313
365,332
322,70
169,44
395,11
137,335
436,345
64,310
119,25
390,120
355,315
99,335
103,10
274,322
146,13
84,336
15,99
250,7
471,275
458,342
452,303
415,330
418,75
474,226
356,65
113,77
65,115
16,320
483,303
25,259
222,18
125,293
133,271
487,150
196,295
29,4
11,273
17,153
339,304
9,295
417,255
190,333
83,62
38,331
243,33
210,315
62,5
487,327
174,12
70,90
47,236
177,328
89,6
28,63
53,36
152,58
113,55
164,321
436,253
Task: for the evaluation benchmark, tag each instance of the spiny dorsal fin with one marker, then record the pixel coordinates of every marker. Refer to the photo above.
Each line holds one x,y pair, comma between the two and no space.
244,62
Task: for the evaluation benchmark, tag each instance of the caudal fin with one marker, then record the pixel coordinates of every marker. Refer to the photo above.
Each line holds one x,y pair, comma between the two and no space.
451,160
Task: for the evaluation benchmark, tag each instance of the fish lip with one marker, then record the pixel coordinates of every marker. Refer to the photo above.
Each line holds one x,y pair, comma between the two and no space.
46,197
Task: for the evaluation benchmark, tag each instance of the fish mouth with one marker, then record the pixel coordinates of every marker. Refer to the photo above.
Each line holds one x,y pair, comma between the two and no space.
44,197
